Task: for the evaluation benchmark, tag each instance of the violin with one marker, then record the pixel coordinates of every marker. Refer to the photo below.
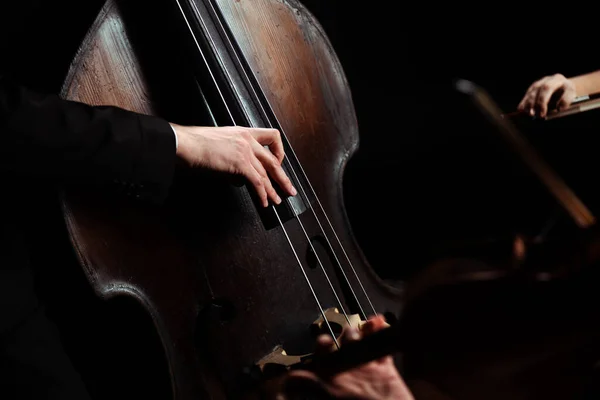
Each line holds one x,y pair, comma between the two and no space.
234,290
580,104
542,251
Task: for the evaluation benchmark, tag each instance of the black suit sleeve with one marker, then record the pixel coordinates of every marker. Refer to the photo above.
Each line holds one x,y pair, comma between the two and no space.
44,136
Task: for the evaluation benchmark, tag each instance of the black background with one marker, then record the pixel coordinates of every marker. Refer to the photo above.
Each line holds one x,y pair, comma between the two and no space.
421,154
425,173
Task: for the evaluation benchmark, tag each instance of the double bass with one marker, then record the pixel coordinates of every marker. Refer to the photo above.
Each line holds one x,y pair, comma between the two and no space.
233,290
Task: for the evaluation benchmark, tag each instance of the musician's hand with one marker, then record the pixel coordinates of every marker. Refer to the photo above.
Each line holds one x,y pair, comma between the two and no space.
553,91
239,151
376,380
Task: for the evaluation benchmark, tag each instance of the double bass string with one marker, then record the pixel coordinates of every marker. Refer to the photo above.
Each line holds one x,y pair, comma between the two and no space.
316,298
338,241
302,190
320,263
296,216
300,186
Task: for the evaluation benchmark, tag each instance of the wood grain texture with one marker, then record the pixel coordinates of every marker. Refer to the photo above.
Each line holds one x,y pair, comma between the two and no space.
224,291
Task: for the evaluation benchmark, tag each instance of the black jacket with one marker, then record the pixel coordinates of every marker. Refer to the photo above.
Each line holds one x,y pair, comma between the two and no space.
46,142
43,137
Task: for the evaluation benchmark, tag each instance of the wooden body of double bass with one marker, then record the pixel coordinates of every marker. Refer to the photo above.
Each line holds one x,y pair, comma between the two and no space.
220,279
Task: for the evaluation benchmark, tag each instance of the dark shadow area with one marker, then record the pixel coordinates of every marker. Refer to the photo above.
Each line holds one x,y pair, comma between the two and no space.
428,174
113,344
421,153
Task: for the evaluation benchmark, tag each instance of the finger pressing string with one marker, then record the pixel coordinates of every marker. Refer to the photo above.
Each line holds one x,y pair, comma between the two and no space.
257,181
271,192
273,167
271,138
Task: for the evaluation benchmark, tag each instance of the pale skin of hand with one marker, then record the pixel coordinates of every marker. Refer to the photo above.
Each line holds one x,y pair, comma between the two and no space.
237,151
241,151
536,101
375,380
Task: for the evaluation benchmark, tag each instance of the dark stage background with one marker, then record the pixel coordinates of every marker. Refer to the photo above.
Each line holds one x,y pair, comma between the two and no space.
428,175
423,155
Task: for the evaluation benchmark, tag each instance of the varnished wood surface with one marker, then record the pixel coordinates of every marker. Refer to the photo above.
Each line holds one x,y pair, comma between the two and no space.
206,250
105,71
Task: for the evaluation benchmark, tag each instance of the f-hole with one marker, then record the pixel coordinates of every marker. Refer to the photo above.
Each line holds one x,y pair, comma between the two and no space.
331,266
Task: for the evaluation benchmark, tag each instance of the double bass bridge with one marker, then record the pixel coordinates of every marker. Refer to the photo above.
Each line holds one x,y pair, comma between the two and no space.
278,360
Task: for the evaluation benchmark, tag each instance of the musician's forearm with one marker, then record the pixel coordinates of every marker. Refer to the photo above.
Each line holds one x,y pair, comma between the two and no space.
587,83
44,136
